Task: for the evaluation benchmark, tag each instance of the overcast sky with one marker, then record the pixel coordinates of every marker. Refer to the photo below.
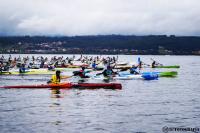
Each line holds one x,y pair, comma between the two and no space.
94,17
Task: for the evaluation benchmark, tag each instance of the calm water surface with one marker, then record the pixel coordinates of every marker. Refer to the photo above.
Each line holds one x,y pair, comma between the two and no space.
141,106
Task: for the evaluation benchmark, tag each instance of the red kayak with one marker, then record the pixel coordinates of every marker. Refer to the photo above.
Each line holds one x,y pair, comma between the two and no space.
69,86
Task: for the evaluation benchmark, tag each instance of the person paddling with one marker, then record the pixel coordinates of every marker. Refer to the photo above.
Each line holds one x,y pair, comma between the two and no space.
56,78
108,72
139,63
82,73
94,65
133,69
22,68
155,63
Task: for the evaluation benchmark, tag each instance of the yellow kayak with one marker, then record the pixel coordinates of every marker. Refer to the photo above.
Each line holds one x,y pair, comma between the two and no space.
29,72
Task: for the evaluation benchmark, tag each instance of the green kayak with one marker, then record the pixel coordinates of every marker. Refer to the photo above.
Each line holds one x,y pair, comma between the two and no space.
175,66
168,74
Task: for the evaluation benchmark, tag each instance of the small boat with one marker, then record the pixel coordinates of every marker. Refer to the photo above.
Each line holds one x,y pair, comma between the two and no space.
150,76
164,74
160,74
68,86
174,66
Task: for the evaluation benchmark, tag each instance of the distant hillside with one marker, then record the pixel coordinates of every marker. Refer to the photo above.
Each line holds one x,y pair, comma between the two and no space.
152,44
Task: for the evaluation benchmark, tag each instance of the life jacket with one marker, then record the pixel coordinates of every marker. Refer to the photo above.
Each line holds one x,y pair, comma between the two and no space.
54,79
107,72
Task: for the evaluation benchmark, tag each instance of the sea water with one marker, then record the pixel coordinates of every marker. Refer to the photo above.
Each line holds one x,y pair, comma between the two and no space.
141,106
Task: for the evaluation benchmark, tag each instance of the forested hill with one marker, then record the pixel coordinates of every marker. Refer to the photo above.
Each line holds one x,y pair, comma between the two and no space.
152,43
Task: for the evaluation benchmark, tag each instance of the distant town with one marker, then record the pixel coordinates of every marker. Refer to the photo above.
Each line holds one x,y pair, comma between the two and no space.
102,44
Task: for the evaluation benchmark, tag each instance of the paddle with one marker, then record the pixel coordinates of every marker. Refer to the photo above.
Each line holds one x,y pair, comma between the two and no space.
145,64
124,69
99,74
65,77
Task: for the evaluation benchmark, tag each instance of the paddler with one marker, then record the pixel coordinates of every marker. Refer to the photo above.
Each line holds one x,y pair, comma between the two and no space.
81,73
1,67
94,65
22,68
133,69
108,72
139,63
155,63
56,78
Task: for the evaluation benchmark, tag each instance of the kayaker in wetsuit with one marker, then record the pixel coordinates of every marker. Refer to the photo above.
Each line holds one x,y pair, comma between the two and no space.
108,72
81,73
133,69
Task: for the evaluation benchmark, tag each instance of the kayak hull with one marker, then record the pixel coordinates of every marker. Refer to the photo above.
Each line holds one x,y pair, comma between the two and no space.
68,86
160,74
164,74
129,77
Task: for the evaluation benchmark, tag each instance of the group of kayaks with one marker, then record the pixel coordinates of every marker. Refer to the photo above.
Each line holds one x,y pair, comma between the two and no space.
122,74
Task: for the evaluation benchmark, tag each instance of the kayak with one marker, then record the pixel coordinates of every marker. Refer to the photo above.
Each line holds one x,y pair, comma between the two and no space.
29,72
68,86
128,67
122,67
129,77
41,71
147,76
160,74
164,74
77,66
175,66
121,63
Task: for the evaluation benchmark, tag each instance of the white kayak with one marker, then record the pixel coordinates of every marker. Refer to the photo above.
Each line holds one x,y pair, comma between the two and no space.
126,77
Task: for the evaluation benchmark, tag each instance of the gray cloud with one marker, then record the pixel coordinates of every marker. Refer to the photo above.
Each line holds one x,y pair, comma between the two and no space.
88,17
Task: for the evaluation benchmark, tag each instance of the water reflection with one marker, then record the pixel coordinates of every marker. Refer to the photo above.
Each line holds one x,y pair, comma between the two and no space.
56,93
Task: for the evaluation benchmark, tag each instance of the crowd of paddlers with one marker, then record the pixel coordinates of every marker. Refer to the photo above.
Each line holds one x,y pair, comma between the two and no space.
34,62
